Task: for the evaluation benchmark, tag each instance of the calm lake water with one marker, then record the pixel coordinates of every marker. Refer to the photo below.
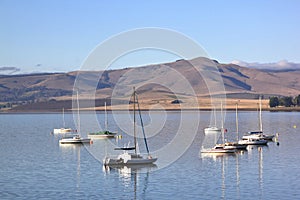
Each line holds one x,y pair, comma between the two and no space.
34,165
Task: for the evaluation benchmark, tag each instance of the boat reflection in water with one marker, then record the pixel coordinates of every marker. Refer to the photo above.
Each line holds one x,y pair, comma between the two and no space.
73,149
260,168
133,175
217,156
226,161
129,169
259,150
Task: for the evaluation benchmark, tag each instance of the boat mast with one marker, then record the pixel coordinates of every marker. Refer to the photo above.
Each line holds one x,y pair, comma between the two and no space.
64,123
236,122
105,114
222,125
215,116
257,109
260,118
134,121
142,124
78,117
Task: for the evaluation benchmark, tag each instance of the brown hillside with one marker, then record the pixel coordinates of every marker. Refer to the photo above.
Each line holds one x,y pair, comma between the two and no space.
199,77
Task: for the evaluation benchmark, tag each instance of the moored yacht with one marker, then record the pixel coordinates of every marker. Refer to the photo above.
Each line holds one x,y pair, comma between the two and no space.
213,128
258,134
105,133
131,158
236,145
218,148
76,139
63,130
253,141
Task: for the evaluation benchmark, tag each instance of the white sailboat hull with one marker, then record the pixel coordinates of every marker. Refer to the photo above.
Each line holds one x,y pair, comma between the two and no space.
251,141
129,159
74,140
258,135
111,162
63,130
212,130
219,148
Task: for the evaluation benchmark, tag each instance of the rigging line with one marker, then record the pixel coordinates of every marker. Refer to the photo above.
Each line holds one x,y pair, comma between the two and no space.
138,104
134,121
78,115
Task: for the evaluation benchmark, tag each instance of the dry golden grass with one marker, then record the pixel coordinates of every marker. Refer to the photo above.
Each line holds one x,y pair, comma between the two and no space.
202,104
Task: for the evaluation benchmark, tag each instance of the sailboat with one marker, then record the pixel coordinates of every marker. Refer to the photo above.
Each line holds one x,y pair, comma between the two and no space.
103,134
76,139
132,158
236,145
213,128
63,129
220,148
258,135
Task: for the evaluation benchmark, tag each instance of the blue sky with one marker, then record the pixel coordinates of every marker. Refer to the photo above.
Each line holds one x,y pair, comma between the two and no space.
58,35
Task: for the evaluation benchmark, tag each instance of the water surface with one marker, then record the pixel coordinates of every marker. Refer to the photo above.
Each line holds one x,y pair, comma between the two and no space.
35,166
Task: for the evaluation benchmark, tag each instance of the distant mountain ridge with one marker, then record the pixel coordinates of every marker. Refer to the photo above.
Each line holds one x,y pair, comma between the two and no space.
153,81
282,65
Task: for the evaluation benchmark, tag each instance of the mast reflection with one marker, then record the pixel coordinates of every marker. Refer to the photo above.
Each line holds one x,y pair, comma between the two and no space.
131,175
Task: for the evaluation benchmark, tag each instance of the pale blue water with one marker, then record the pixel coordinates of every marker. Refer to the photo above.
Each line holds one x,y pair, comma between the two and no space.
34,166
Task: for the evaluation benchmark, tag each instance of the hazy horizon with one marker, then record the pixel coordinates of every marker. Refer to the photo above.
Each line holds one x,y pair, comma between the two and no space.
276,66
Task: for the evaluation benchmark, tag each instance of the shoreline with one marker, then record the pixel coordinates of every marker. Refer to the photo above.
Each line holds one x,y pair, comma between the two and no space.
49,111
202,104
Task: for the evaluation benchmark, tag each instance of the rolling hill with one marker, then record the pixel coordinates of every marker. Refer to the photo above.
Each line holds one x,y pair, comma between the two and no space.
199,77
